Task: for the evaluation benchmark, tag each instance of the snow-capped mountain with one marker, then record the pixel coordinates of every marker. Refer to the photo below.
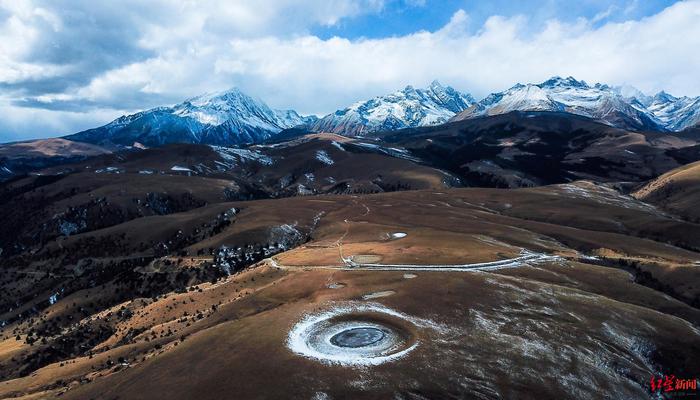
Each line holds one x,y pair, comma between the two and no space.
234,118
224,118
675,113
600,102
405,108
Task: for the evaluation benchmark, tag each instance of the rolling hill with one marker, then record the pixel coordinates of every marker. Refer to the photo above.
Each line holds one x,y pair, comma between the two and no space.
613,293
677,191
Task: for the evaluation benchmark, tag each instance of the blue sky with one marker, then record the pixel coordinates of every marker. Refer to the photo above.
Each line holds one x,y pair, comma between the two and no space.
69,65
401,18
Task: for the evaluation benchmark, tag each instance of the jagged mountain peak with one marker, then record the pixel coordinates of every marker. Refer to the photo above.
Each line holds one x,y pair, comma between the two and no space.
557,81
437,88
436,85
219,107
570,95
405,108
229,117
662,96
232,117
631,94
621,106
232,97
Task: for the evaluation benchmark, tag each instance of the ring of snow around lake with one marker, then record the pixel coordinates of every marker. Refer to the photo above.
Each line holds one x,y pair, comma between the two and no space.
358,337
354,335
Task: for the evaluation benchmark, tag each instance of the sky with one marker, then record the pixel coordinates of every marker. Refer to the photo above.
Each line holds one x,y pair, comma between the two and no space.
70,65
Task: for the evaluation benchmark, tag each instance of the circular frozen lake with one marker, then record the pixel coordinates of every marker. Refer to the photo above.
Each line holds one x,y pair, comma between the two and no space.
358,337
362,334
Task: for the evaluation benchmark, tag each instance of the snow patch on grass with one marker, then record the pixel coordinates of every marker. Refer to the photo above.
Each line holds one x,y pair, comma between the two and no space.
233,156
311,336
338,146
377,295
605,195
108,170
323,157
390,151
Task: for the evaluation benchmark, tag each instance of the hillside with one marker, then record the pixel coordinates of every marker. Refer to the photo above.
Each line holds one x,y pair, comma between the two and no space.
21,157
677,191
512,271
538,148
358,266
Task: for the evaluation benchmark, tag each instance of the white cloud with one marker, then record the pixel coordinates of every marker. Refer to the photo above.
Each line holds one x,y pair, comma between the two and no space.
320,75
265,48
20,123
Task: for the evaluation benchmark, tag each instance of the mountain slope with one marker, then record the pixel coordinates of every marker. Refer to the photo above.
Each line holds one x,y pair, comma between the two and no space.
599,102
405,108
538,147
676,191
225,118
676,113
234,118
21,157
127,316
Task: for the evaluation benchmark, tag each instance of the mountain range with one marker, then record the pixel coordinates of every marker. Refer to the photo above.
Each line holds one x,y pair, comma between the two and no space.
488,237
234,118
407,108
125,269
621,107
674,113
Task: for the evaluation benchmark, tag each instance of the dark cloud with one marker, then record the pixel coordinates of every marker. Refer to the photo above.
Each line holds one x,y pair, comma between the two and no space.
84,40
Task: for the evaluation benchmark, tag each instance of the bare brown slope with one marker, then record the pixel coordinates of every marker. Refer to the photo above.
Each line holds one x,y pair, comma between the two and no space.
54,147
537,148
21,157
609,324
501,337
111,189
677,191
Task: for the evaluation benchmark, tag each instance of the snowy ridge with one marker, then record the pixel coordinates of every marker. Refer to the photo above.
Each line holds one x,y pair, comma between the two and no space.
234,118
224,118
623,107
218,108
565,95
405,108
676,113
